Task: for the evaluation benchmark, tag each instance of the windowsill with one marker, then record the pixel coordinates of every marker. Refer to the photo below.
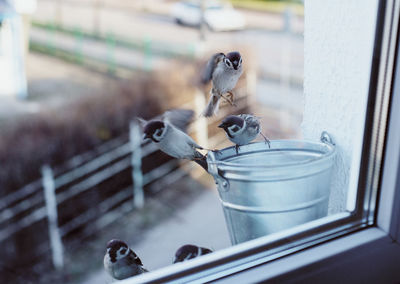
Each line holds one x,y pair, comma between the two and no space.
368,247
261,251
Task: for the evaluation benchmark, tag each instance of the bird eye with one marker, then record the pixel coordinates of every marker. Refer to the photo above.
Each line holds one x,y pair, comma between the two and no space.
158,132
228,62
235,129
123,251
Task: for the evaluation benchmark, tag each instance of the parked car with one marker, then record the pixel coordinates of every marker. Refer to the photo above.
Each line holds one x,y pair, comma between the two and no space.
218,16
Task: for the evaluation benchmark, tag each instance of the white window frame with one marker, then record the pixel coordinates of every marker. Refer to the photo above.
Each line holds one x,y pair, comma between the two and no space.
366,249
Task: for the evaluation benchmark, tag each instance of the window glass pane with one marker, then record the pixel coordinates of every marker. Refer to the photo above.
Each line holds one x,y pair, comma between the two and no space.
81,164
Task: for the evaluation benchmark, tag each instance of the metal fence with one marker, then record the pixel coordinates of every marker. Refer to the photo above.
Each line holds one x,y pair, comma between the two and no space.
107,50
40,199
43,200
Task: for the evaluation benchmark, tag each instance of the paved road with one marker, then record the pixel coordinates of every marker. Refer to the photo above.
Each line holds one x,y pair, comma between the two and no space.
274,51
96,13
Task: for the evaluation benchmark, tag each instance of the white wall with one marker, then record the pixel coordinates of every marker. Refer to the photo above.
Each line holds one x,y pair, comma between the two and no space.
338,45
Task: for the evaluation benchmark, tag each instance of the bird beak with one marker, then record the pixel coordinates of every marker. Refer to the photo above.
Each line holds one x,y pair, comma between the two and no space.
222,125
146,136
235,65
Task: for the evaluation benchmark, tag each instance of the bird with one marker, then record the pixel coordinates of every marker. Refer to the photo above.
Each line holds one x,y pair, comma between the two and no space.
224,72
168,133
242,129
187,252
121,262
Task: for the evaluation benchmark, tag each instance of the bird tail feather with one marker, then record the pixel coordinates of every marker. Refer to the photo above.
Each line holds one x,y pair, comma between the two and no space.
212,106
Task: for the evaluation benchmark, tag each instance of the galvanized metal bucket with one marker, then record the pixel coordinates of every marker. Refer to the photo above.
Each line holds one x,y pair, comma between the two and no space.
264,190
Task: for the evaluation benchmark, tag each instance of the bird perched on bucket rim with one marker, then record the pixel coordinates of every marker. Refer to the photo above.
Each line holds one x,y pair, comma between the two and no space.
169,136
242,129
121,262
224,71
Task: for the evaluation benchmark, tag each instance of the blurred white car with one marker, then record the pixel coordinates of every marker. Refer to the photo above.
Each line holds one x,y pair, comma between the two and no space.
218,16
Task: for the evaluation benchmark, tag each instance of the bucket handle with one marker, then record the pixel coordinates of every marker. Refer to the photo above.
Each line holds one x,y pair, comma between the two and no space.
326,138
215,172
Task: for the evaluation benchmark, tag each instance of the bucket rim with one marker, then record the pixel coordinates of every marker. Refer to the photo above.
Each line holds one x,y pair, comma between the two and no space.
329,154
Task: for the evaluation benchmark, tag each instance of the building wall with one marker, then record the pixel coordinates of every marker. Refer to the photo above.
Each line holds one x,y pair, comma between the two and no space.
12,69
338,46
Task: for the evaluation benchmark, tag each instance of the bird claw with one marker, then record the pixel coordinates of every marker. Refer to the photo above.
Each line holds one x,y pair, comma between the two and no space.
266,140
269,143
229,99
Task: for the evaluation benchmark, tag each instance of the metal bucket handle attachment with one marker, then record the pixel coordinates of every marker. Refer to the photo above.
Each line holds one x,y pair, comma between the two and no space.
326,138
213,170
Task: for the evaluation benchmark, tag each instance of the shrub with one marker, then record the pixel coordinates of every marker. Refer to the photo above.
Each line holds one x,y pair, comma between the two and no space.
54,135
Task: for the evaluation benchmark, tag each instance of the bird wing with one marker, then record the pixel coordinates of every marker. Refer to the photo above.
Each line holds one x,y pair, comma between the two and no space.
210,67
134,259
251,121
192,143
180,118
179,134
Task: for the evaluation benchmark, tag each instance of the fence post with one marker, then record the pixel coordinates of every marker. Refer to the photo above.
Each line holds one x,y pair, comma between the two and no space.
51,38
79,45
96,17
147,52
201,124
137,175
111,42
58,13
285,67
251,86
52,216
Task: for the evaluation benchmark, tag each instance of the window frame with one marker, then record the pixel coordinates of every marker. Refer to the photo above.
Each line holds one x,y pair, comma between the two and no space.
349,246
